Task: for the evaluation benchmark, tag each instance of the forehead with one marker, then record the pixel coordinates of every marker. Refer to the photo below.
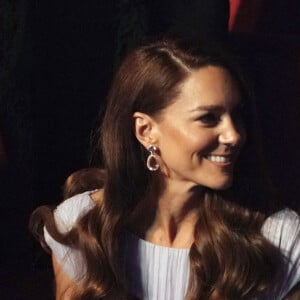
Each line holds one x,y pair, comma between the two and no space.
209,86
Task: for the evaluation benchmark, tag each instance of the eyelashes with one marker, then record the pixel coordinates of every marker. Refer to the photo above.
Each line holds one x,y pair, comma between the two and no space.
209,119
212,119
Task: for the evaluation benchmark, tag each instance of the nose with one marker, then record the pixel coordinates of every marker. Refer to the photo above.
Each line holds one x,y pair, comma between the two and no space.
231,134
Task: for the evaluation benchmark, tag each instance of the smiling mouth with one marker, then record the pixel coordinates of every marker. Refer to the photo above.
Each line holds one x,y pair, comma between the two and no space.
220,159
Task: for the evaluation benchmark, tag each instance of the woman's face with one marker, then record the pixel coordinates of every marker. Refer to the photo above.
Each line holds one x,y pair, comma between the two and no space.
200,134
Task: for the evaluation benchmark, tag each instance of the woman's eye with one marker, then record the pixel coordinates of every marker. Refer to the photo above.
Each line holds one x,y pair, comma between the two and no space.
209,119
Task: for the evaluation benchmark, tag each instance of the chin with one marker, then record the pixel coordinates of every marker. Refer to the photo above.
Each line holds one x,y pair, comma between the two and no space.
221,186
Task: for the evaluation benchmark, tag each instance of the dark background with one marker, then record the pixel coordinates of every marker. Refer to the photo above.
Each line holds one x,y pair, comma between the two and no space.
57,60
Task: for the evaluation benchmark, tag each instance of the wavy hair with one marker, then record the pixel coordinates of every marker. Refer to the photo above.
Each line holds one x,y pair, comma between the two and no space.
147,81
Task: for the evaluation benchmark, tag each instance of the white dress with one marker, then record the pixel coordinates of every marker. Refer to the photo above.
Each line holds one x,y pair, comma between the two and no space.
156,272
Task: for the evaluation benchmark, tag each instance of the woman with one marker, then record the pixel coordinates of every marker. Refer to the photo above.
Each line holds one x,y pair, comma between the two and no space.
167,224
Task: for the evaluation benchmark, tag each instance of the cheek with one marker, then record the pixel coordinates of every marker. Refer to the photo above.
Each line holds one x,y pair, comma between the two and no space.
172,135
205,142
189,140
177,143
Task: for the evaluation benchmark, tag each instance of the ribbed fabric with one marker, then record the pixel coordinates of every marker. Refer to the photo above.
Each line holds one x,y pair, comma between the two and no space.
282,229
156,272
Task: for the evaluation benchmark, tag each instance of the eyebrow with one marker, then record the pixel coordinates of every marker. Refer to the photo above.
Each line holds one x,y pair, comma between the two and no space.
207,108
215,107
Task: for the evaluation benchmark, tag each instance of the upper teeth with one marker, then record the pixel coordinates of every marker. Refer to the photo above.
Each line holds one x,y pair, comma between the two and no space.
217,158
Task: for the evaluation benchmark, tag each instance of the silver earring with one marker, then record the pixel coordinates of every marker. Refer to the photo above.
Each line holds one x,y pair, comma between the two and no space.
152,163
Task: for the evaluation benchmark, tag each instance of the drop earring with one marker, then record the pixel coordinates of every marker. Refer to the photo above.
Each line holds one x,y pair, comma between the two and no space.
152,163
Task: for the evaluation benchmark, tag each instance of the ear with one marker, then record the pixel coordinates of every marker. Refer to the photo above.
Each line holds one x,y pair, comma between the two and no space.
144,129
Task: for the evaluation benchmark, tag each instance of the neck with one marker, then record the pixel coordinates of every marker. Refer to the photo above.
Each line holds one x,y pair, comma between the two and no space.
168,215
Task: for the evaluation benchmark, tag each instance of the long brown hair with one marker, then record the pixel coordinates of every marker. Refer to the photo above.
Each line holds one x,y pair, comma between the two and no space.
229,259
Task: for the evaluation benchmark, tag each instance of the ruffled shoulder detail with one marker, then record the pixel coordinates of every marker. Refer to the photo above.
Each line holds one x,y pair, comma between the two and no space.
282,229
71,210
66,215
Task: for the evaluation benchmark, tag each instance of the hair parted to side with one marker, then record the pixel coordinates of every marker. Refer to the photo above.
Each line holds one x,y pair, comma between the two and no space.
229,259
